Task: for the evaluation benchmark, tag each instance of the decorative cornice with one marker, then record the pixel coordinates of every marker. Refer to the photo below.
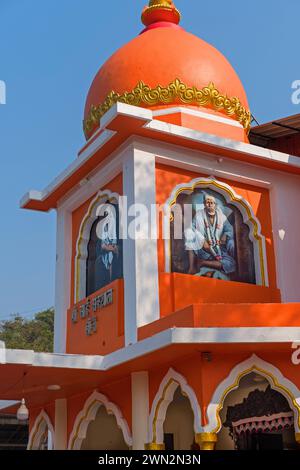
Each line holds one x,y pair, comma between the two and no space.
176,92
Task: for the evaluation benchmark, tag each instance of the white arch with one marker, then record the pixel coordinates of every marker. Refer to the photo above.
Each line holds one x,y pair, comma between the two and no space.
41,424
162,400
253,364
88,414
231,197
83,240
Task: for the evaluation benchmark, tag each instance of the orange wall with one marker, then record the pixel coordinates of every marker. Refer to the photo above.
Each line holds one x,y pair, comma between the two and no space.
178,291
205,125
204,377
226,315
110,325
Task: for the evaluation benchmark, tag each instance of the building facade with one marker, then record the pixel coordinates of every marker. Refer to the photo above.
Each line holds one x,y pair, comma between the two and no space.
177,296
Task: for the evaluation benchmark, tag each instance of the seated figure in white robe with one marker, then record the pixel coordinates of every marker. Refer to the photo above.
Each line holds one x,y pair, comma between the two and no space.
210,242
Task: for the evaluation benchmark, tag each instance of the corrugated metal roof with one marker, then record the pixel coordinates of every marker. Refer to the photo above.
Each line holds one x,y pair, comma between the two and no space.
278,128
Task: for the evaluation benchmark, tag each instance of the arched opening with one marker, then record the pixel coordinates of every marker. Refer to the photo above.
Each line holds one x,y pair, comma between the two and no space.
178,426
179,399
256,417
42,434
100,425
45,440
103,433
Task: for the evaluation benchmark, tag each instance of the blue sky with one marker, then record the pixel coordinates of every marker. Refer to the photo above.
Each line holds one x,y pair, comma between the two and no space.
49,52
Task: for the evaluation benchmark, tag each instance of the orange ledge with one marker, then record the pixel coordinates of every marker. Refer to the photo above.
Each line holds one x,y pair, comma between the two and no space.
178,291
226,316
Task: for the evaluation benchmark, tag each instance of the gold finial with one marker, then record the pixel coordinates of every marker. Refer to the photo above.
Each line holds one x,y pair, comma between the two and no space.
163,3
160,10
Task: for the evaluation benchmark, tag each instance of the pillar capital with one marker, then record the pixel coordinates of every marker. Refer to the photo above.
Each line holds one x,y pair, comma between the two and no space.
154,446
206,440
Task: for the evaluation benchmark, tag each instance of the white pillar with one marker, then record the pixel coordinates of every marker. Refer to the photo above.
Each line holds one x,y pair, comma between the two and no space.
140,255
50,440
60,428
140,409
62,278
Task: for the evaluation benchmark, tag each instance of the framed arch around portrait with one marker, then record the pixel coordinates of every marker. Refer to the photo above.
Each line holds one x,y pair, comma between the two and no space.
223,238
99,254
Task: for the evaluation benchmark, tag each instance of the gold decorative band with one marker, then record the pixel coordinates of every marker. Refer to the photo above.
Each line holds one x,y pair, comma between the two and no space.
206,440
160,3
176,92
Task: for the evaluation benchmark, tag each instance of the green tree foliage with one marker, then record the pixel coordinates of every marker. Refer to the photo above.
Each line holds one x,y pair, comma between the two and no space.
35,334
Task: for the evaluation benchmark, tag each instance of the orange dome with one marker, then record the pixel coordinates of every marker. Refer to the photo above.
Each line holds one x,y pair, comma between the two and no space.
166,56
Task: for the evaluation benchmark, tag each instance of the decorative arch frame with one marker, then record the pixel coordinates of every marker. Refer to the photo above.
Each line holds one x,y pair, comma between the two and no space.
83,239
164,398
41,424
253,364
231,197
89,413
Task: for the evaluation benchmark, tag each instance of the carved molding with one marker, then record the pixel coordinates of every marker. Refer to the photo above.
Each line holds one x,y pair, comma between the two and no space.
175,93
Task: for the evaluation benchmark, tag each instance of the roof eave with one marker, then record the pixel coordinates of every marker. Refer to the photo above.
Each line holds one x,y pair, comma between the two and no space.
123,121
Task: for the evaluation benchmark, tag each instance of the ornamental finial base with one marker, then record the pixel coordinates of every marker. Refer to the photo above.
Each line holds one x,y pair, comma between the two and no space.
160,11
